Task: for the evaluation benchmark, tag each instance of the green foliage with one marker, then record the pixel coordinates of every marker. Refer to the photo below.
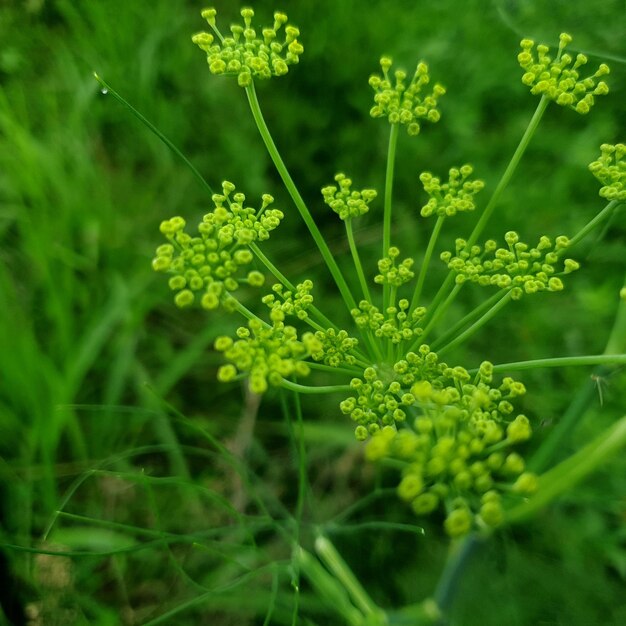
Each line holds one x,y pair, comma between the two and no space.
158,521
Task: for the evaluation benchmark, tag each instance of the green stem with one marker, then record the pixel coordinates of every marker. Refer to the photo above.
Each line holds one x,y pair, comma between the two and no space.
564,361
357,260
426,262
271,267
302,476
391,161
571,471
439,311
555,440
439,296
288,384
297,198
510,170
504,181
285,281
453,572
297,442
327,588
596,221
349,370
367,337
106,88
335,563
479,310
464,336
247,313
615,346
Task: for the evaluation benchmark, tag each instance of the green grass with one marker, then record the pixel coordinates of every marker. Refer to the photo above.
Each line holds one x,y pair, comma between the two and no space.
115,438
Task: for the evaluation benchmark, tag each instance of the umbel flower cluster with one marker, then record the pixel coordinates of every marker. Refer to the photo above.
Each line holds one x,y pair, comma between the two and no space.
518,267
610,170
559,79
455,196
246,53
453,435
460,443
208,266
403,103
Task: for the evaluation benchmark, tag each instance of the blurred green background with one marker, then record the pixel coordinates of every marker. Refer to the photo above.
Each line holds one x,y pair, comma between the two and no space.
93,351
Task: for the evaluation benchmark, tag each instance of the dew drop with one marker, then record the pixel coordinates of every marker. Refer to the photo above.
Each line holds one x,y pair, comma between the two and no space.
104,91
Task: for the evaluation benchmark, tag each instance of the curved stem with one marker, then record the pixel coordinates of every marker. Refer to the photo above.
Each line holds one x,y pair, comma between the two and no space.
352,371
510,170
106,88
476,312
285,281
439,296
357,260
334,562
391,161
571,471
438,314
271,267
451,577
426,262
297,198
597,220
464,336
247,313
504,181
564,361
582,400
288,384
367,336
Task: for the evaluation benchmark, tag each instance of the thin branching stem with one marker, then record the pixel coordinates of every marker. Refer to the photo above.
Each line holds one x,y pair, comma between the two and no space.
106,88
323,389
478,324
417,294
297,198
388,202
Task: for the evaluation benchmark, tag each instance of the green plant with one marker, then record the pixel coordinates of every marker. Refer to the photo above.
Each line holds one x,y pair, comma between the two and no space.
451,434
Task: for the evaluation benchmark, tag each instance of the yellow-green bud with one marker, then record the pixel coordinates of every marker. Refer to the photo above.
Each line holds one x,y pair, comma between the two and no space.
458,523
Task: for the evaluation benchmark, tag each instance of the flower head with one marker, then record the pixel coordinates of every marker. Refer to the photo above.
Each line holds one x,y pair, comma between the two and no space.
249,54
266,354
452,436
344,201
518,267
403,103
207,266
559,79
610,170
455,196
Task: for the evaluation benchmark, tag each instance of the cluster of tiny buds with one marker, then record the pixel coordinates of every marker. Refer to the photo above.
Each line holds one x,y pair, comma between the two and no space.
208,265
455,196
266,354
520,268
559,79
346,203
396,326
336,347
392,274
457,449
288,303
610,170
246,54
404,103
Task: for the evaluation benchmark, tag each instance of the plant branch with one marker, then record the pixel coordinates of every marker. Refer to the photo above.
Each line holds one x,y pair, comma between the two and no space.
297,198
